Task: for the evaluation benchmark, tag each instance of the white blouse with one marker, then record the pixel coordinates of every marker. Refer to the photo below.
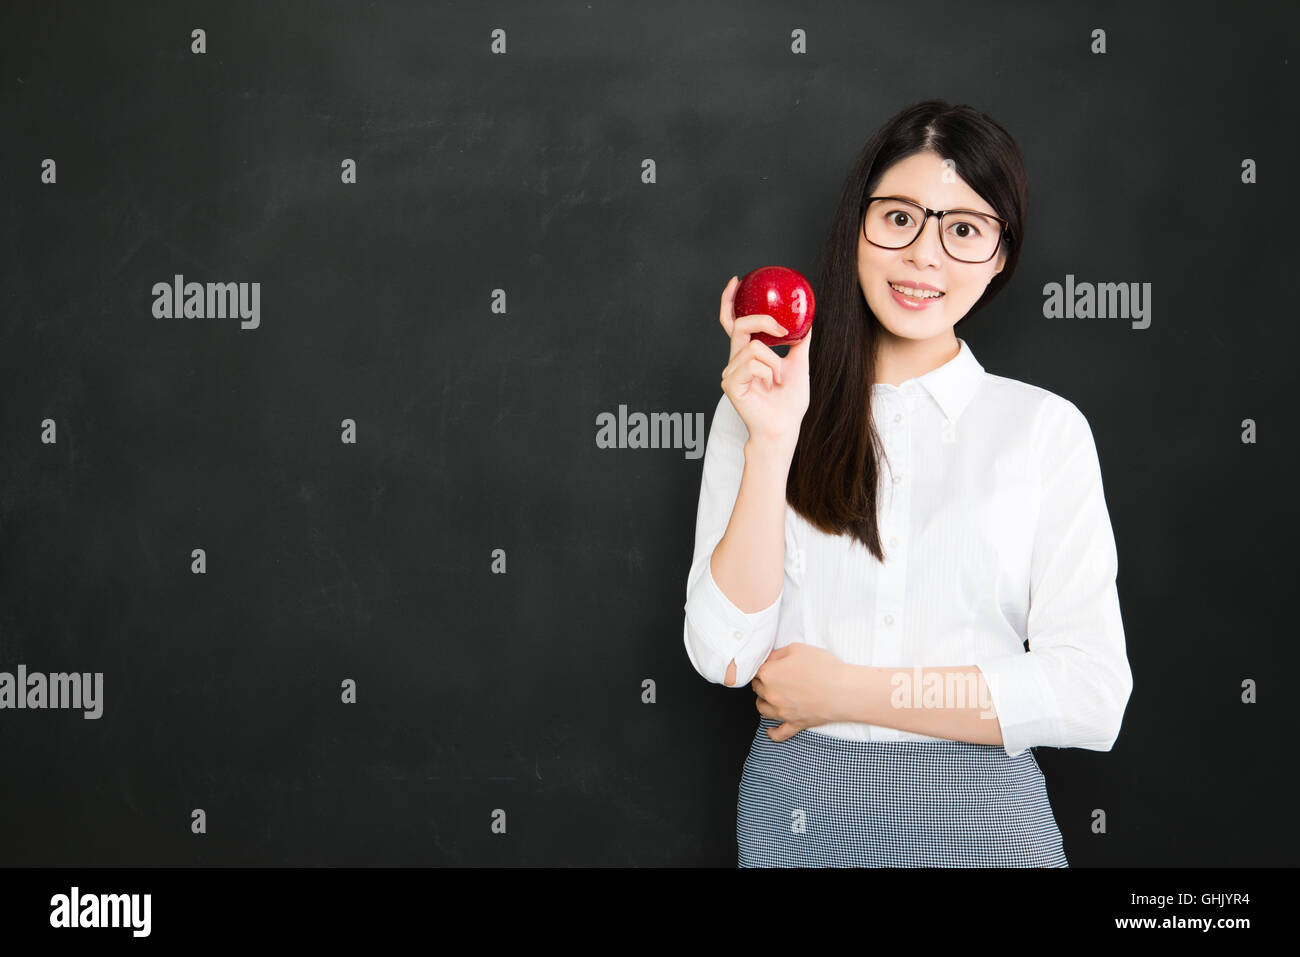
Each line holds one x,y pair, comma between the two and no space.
995,531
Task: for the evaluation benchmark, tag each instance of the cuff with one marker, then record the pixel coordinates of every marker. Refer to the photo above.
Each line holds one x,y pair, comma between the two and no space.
717,631
1027,710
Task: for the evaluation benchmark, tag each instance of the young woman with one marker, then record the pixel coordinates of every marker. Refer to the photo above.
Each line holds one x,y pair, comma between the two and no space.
909,559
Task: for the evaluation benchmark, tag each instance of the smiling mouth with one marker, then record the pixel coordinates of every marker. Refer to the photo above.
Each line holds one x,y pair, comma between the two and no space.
919,295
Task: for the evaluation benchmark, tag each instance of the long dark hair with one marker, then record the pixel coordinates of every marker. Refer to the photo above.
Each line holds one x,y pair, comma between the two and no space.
836,463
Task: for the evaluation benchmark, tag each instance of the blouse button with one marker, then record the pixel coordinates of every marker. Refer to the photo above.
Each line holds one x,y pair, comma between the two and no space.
893,542
898,418
897,479
889,619
738,636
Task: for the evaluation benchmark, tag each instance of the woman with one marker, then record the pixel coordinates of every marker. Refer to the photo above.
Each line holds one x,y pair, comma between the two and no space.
909,559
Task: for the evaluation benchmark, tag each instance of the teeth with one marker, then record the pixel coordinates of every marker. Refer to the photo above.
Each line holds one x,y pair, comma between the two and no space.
916,293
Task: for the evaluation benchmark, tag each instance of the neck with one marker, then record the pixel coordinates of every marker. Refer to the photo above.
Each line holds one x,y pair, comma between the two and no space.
899,359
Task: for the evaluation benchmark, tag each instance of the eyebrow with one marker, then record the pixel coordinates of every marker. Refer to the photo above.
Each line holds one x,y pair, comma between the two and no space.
967,209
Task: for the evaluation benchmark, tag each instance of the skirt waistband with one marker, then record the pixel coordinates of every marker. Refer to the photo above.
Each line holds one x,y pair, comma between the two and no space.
818,800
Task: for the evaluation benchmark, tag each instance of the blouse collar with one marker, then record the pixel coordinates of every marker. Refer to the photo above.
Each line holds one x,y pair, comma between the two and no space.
952,385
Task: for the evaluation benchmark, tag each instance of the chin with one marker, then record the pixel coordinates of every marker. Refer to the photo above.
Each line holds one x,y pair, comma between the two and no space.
918,331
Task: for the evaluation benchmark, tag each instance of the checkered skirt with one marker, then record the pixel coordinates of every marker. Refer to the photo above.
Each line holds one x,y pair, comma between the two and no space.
819,801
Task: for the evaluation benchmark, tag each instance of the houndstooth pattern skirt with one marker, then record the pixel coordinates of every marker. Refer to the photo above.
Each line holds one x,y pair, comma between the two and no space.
818,801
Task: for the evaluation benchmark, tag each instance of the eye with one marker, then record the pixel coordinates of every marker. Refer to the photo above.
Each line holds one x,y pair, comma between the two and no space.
964,229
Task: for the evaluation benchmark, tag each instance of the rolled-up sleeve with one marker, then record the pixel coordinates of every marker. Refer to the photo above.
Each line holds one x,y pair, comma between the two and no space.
1070,689
715,630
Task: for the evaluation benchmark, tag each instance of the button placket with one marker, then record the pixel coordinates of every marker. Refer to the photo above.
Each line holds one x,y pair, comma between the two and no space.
796,560
887,631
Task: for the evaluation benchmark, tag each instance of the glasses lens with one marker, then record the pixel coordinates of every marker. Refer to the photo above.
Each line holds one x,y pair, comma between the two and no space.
967,236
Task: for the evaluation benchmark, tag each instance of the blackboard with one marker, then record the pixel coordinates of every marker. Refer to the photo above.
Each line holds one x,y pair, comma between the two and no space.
436,340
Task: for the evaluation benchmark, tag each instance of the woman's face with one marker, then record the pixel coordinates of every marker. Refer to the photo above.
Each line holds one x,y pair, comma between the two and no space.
921,177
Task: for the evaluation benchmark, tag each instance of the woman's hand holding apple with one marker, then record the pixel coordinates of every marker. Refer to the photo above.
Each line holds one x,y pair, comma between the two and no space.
769,392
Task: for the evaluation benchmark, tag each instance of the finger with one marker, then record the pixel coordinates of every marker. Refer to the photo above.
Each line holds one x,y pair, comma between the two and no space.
744,327
725,315
758,369
758,322
767,355
799,350
745,370
757,352
774,328
782,732
807,338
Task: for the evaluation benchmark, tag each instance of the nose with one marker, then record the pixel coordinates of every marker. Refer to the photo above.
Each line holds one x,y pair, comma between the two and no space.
927,248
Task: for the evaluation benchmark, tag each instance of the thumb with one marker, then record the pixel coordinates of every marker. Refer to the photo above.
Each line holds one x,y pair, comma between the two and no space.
782,732
800,349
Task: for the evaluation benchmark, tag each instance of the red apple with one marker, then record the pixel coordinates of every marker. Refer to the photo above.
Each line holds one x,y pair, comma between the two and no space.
781,293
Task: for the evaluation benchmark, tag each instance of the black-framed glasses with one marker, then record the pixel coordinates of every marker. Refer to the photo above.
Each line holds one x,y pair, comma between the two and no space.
967,235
